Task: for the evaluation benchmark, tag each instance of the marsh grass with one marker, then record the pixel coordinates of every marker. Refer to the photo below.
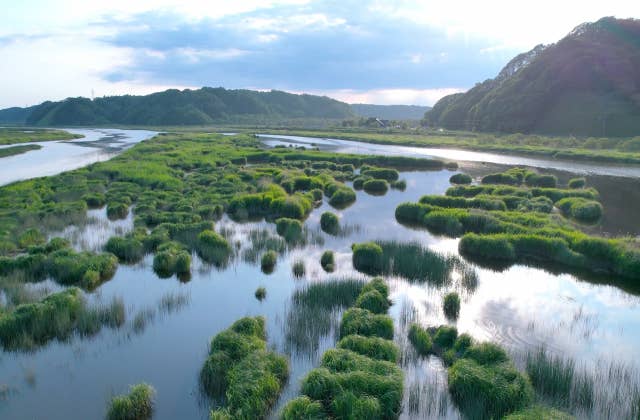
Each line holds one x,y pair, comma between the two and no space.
137,405
261,293
327,261
268,261
451,305
298,269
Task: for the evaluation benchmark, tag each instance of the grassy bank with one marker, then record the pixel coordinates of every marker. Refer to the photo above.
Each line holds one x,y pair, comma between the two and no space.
608,150
27,135
18,150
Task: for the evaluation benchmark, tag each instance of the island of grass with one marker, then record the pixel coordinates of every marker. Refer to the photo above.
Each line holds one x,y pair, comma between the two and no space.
241,369
137,405
27,135
359,379
619,149
514,224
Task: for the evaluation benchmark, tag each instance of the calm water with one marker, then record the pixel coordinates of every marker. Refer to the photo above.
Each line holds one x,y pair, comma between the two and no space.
521,307
58,156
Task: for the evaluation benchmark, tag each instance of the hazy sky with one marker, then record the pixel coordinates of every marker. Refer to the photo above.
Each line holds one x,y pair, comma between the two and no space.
410,52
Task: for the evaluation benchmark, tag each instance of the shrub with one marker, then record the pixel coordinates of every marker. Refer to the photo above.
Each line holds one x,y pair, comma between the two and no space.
378,284
342,197
362,322
501,178
327,261
261,293
463,342
358,183
490,247
137,405
69,267
330,223
376,186
213,247
460,179
373,301
289,229
373,347
411,213
268,261
127,249
577,183
544,181
488,391
445,336
170,259
420,339
451,305
367,257
298,268
303,408
94,200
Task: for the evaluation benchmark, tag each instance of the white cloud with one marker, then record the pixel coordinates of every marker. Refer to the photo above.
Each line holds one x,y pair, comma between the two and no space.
390,96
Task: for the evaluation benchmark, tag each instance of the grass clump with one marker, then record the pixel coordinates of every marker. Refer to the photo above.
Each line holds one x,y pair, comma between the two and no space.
117,210
137,405
363,322
298,269
488,391
329,223
451,305
486,353
376,186
577,183
327,261
400,185
240,368
342,197
382,174
303,408
421,339
538,412
580,209
213,247
172,258
373,347
289,229
127,249
58,316
460,179
268,261
373,301
367,257
261,293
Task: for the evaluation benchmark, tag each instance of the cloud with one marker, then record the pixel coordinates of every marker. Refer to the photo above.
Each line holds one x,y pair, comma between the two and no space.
390,96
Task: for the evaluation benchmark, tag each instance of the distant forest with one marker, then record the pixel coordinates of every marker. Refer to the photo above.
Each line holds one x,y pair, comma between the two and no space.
390,112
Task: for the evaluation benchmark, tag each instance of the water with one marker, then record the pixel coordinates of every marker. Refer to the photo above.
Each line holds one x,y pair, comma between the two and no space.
521,308
59,156
356,147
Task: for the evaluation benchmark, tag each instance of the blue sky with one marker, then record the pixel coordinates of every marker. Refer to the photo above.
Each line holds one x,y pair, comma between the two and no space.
388,52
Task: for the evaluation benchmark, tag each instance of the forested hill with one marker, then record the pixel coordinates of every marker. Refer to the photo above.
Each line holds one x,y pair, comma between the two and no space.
390,112
586,84
175,107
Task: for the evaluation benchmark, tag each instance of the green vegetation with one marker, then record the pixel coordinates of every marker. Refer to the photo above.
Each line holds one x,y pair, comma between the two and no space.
512,236
261,293
240,368
127,249
289,229
268,261
420,339
451,305
298,269
137,405
24,135
552,89
213,247
583,210
172,258
330,223
58,316
539,412
327,261
399,185
412,261
187,107
376,186
460,179
373,347
17,150
577,183
389,175
359,379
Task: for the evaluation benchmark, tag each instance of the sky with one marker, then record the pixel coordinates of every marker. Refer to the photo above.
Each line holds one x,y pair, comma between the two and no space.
358,51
